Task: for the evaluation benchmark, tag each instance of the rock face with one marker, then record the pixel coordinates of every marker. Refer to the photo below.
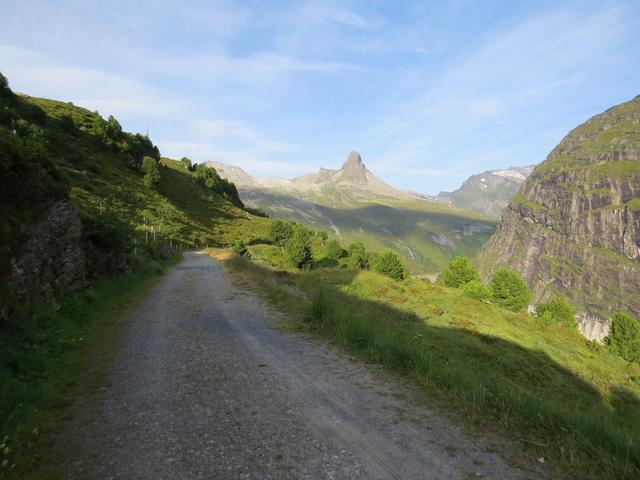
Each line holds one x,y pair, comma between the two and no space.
488,192
52,259
574,226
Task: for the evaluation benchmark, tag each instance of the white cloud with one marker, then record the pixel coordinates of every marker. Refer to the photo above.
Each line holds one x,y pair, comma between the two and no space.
30,71
222,130
255,162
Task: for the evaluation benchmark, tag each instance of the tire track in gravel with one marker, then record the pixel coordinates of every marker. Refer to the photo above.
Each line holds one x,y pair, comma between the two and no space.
205,388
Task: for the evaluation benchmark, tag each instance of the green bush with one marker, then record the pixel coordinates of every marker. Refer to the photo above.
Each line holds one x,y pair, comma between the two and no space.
358,256
476,289
323,236
458,272
240,247
334,250
4,83
388,264
280,232
557,310
297,250
624,337
186,163
151,172
509,290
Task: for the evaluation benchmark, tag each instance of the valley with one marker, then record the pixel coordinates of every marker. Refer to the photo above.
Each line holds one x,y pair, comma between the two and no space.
354,205
167,314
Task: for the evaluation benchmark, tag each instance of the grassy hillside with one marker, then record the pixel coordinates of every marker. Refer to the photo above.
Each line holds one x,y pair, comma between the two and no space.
552,391
426,235
51,151
180,209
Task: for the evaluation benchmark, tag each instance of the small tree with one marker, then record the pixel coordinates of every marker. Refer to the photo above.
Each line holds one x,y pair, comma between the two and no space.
624,337
557,310
509,290
4,85
240,247
297,250
476,289
112,130
334,250
151,172
186,163
280,232
388,264
358,256
458,272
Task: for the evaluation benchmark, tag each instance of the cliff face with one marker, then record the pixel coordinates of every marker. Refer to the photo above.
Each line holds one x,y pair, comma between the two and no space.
52,260
574,226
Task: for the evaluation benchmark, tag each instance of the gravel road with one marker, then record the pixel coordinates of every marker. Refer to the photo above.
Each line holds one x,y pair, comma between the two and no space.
205,388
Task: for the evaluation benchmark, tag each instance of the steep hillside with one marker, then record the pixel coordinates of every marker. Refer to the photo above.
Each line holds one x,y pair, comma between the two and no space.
76,205
356,206
488,192
574,227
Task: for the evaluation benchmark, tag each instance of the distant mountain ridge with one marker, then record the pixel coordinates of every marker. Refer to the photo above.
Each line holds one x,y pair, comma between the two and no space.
356,205
353,176
488,192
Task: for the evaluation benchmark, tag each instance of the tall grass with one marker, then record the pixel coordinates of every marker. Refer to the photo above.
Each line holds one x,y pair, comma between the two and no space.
546,386
43,354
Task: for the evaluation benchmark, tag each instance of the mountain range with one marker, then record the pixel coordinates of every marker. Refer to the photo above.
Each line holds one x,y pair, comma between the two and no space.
356,205
488,192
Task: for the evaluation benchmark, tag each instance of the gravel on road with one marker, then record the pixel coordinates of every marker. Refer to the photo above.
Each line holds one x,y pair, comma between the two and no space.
204,387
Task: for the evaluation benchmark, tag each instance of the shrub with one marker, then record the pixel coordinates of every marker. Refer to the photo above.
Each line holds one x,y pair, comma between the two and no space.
358,256
297,250
151,172
334,250
388,264
509,290
280,232
476,289
240,247
458,272
4,86
186,163
557,310
624,337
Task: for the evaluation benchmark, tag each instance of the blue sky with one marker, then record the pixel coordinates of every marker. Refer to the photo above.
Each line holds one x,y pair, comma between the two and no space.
428,92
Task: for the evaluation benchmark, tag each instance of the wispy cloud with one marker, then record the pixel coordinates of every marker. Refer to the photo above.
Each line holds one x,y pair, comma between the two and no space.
95,89
422,89
225,131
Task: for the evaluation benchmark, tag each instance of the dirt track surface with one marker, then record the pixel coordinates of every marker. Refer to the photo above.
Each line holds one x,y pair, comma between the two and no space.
205,388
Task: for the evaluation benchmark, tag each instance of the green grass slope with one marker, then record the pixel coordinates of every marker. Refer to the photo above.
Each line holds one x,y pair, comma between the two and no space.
557,394
426,235
180,209
51,150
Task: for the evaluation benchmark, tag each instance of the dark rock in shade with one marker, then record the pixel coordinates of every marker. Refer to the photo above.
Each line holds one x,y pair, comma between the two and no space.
52,259
574,227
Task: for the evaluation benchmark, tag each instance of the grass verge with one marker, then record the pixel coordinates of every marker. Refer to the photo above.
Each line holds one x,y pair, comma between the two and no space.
44,354
545,386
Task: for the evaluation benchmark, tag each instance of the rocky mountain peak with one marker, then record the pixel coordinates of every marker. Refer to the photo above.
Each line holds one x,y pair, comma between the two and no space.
353,163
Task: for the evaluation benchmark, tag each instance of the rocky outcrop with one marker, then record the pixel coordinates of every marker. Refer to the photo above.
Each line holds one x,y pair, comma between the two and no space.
574,226
52,259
